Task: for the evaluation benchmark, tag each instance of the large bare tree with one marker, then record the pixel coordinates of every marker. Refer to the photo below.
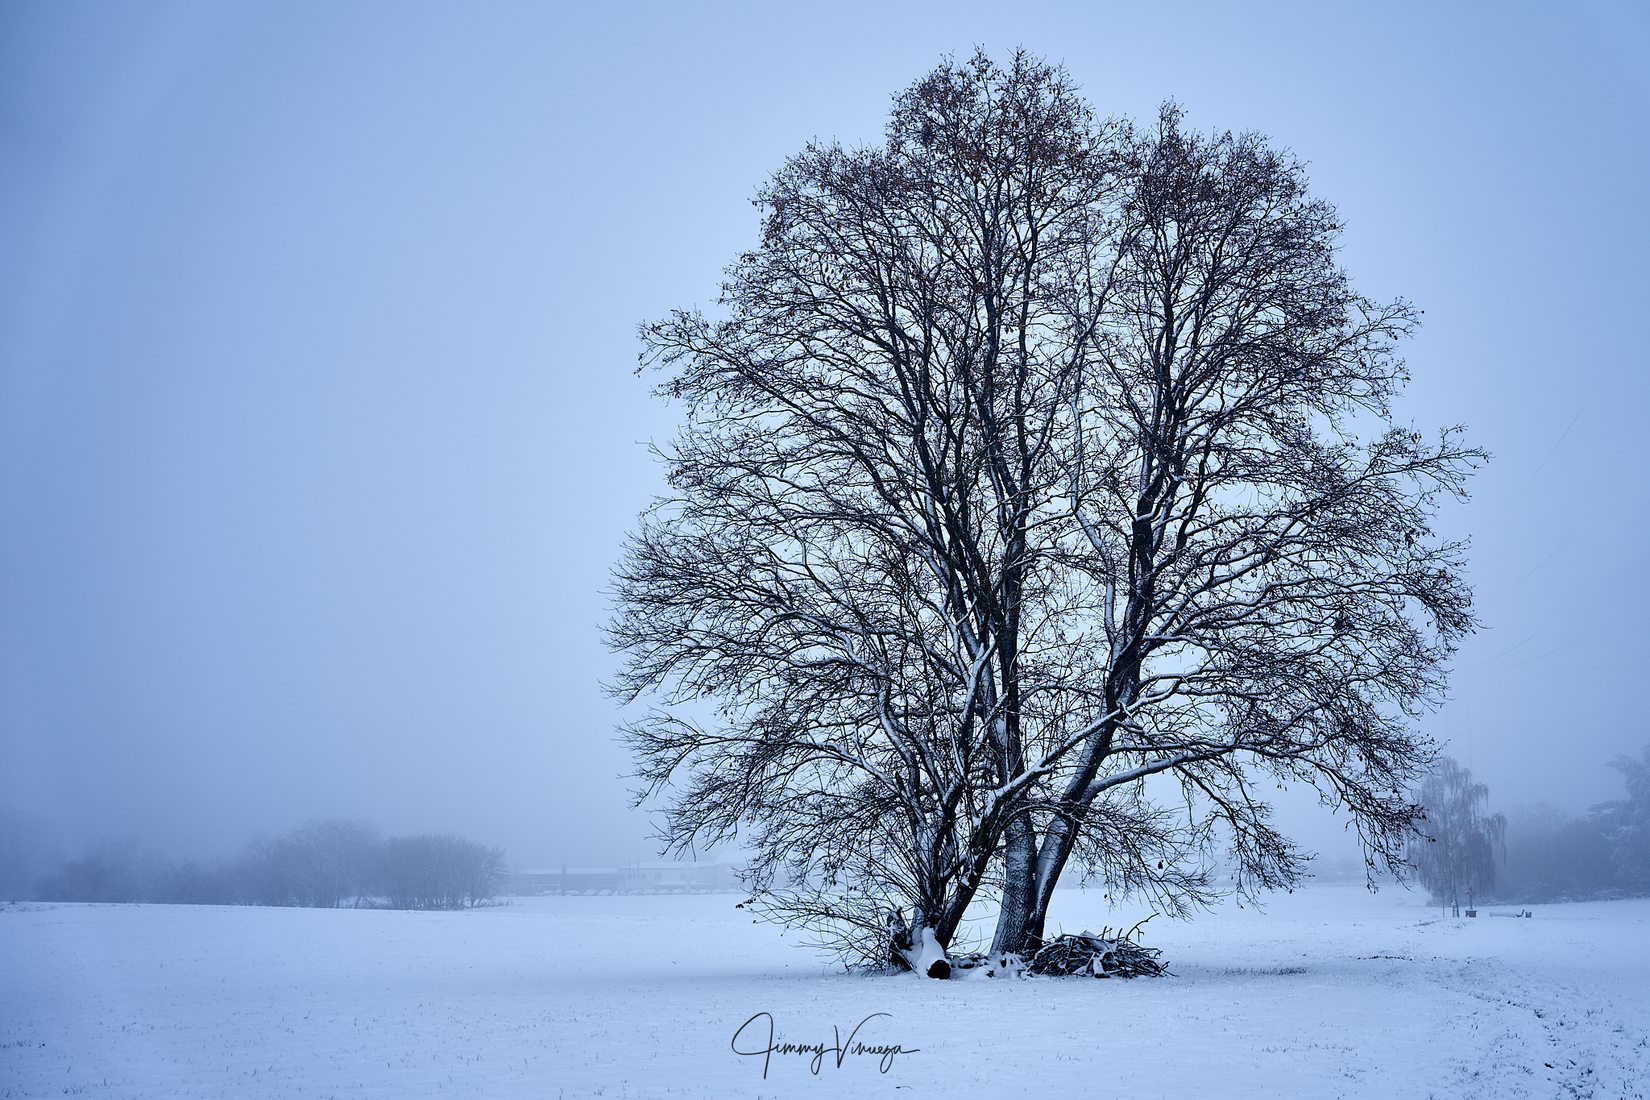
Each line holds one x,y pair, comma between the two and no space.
1019,518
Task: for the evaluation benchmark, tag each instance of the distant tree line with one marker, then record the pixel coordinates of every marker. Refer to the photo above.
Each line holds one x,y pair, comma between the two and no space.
1535,853
324,864
1602,853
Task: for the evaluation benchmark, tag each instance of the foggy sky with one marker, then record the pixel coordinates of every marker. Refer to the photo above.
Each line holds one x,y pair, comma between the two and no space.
319,430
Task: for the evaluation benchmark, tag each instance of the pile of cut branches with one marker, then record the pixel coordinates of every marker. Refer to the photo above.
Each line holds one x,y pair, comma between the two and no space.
1103,956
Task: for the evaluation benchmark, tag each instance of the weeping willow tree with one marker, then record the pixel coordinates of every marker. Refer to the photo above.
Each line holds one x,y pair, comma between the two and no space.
1456,850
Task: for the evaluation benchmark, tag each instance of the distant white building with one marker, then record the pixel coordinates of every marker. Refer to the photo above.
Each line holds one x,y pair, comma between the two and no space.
638,878
527,882
670,878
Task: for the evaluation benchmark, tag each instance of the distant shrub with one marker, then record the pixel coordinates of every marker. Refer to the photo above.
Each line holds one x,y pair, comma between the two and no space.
438,872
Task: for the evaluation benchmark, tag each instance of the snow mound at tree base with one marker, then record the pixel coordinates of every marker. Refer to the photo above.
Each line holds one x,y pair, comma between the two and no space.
998,965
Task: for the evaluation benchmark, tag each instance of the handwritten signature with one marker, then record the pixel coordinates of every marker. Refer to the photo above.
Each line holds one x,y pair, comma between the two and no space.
839,1049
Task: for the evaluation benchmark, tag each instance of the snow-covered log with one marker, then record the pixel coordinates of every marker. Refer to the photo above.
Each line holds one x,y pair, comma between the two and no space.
927,957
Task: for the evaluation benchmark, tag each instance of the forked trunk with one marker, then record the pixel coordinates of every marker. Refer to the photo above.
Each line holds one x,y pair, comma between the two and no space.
1019,888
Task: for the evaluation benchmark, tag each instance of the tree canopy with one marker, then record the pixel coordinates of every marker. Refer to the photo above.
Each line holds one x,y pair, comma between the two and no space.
1038,499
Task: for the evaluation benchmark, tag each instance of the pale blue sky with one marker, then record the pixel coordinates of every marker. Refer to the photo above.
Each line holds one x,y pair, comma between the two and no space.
318,427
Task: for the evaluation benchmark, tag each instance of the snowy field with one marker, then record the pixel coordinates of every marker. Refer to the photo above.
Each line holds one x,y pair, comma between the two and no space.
1330,992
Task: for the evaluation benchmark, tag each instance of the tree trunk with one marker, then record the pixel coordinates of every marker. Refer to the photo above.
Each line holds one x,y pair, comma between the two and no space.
1020,927
1019,887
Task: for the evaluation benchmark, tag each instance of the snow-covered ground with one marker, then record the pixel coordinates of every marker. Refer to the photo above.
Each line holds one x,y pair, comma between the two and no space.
1329,992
